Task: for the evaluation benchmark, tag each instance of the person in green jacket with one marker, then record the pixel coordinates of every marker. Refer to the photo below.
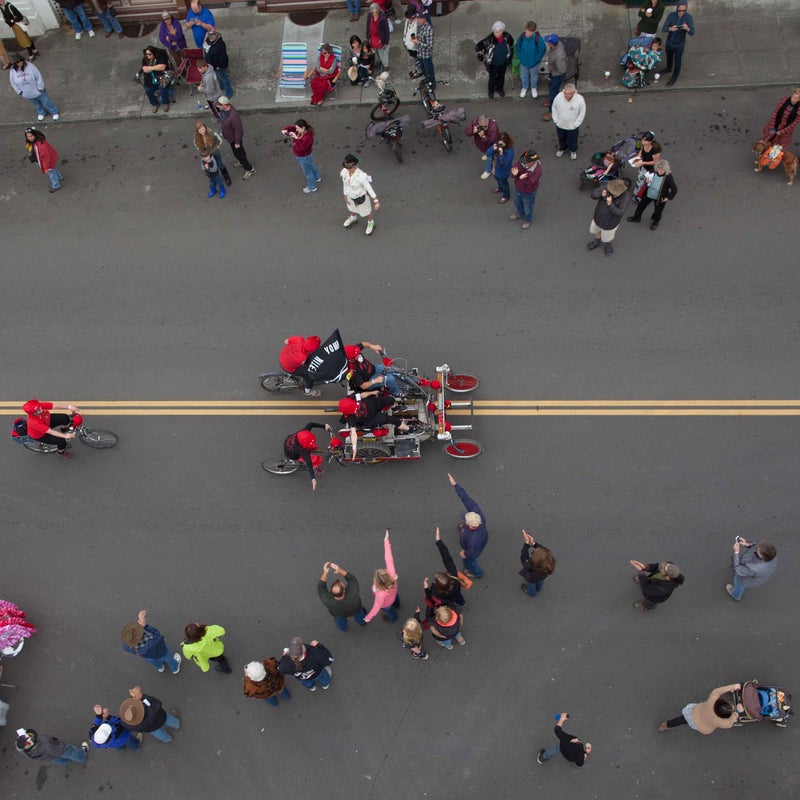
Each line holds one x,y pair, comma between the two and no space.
203,645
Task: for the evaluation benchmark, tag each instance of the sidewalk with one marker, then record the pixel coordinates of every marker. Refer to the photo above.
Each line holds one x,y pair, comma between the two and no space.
739,43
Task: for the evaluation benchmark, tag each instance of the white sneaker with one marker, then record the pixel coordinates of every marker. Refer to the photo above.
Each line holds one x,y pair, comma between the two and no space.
56,117
534,93
559,153
308,191
351,220
484,157
78,36
573,156
178,658
91,34
370,228
485,175
40,117
523,92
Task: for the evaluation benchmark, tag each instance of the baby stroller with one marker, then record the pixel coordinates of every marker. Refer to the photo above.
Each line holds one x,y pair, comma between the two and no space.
624,150
763,702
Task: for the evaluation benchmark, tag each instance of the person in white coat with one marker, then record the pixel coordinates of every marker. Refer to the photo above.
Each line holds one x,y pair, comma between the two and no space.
569,109
359,195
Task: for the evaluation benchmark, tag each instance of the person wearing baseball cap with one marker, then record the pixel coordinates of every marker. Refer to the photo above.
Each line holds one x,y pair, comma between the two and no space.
107,732
473,534
143,713
141,639
300,445
309,663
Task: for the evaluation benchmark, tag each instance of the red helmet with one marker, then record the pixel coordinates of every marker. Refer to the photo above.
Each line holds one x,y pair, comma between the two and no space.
348,406
32,406
352,352
307,440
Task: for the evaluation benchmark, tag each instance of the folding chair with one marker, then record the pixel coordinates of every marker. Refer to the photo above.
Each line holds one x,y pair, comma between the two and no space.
294,64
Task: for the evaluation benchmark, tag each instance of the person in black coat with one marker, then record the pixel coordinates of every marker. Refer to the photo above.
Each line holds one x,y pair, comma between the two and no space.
657,582
613,200
309,663
661,190
496,52
217,56
537,563
446,588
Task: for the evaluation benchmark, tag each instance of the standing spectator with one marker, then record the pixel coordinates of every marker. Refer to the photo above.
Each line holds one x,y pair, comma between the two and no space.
531,48
377,33
74,12
108,732
384,587
143,713
446,586
170,34
205,139
211,170
649,16
484,132
646,160
557,68
154,63
4,57
678,23
325,74
358,193
108,17
203,645
423,41
537,564
527,173
754,563
310,664
13,17
409,41
264,681
472,532
716,712
411,637
782,123
612,201
27,82
496,52
568,112
47,748
41,152
500,159
302,136
445,625
657,582
145,641
342,599
354,7
216,53
660,190
233,132
572,748
200,20
209,85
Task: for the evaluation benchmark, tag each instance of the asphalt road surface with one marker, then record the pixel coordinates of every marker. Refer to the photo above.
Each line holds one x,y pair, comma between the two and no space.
129,285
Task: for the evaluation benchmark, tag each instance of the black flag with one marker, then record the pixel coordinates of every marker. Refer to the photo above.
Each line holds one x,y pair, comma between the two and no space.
328,363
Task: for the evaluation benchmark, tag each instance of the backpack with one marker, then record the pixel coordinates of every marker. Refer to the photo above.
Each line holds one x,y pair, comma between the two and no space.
19,430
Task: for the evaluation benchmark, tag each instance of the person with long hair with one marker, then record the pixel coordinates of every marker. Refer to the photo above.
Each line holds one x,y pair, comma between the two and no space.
537,564
15,20
377,32
302,136
203,645
324,75
784,118
384,587
41,152
411,636
206,139
154,62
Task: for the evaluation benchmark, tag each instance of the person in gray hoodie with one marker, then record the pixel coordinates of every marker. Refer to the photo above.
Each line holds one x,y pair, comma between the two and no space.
27,82
209,85
612,201
754,563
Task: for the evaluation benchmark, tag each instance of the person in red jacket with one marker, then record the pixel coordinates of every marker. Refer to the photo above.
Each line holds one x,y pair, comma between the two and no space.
302,136
41,152
45,427
296,352
299,446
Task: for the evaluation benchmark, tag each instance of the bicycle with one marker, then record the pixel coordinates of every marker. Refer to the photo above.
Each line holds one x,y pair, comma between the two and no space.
436,114
96,439
388,101
390,132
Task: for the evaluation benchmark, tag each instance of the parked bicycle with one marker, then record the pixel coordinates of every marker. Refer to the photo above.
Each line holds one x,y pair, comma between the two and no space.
97,439
390,132
388,101
438,118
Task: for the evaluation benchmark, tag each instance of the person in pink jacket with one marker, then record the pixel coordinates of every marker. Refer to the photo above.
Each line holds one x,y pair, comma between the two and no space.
384,587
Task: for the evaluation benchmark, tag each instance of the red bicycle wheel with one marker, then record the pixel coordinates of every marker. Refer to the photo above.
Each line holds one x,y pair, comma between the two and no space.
462,382
463,448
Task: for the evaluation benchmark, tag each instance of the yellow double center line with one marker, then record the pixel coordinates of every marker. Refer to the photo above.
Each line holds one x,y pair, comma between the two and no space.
300,406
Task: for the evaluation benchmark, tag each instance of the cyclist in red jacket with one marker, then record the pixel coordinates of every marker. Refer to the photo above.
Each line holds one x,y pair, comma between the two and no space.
296,352
45,427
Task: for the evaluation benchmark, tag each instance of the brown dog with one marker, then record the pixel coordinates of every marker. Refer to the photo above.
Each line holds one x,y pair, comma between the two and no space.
789,161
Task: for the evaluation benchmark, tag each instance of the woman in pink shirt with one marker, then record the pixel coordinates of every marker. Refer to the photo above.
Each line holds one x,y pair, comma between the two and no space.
384,587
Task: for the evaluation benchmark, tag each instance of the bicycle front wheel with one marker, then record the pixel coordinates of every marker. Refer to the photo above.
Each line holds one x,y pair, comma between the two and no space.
385,109
447,139
99,440
280,465
462,382
279,382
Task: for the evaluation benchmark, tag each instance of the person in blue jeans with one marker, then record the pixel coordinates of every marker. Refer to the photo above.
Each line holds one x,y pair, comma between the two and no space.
556,67
499,159
211,170
302,136
40,747
677,24
754,563
73,11
530,51
107,732
571,747
141,639
473,534
527,173
108,20
354,7
309,663
342,599
143,713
